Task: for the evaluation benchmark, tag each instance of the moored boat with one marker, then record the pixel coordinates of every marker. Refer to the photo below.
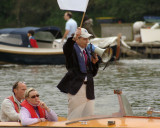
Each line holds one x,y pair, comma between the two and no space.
22,55
15,46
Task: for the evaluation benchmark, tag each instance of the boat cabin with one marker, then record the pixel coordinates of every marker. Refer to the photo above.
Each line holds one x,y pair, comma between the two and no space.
45,36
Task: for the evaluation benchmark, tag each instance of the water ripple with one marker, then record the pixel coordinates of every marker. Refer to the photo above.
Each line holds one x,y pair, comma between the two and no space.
139,80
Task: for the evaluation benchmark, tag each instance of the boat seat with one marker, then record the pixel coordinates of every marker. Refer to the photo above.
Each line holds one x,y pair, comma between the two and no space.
44,44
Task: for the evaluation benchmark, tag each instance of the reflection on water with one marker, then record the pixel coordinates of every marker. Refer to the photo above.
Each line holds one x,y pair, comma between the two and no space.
138,79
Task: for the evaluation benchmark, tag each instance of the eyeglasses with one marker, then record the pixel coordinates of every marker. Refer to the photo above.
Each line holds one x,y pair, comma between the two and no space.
35,96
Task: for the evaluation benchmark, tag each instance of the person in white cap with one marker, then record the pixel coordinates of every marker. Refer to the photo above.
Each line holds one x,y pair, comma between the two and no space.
78,81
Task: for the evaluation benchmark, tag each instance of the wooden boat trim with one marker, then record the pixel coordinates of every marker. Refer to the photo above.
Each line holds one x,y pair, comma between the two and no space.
10,124
88,119
144,117
30,51
145,122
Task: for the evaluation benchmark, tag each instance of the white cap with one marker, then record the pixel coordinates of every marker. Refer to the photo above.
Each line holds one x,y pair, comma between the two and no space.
84,33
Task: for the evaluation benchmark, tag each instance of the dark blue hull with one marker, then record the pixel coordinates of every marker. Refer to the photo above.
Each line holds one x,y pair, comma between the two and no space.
28,59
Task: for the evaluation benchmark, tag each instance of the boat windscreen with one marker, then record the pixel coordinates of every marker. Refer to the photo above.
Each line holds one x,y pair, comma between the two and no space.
44,36
127,106
14,39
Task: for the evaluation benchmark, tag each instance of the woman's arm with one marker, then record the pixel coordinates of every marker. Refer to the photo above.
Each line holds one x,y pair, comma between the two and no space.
26,117
51,116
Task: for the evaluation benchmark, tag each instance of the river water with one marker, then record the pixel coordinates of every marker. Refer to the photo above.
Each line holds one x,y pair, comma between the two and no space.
138,79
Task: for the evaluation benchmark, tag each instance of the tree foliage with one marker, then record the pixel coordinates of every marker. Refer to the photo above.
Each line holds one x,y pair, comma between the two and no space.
19,13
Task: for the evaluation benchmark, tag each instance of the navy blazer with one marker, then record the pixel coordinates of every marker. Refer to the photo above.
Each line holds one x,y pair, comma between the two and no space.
74,78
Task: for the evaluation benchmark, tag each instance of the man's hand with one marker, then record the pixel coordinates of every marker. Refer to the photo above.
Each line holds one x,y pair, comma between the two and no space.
94,59
77,34
64,36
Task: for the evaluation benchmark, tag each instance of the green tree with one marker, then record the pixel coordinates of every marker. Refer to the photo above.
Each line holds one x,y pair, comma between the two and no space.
19,13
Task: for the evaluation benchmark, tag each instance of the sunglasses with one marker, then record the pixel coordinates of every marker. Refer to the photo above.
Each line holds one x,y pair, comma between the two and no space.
35,96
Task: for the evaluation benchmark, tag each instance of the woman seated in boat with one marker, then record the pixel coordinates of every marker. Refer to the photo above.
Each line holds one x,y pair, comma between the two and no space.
32,40
33,110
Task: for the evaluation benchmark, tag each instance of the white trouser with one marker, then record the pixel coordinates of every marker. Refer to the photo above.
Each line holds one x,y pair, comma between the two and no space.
78,105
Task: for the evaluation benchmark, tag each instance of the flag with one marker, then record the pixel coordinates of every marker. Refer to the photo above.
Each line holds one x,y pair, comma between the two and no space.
74,5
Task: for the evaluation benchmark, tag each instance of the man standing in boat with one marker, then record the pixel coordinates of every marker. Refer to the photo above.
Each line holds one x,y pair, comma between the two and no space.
32,40
10,107
78,81
70,27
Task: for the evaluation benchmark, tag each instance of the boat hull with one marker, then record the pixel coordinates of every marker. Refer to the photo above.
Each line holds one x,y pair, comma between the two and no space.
31,56
28,59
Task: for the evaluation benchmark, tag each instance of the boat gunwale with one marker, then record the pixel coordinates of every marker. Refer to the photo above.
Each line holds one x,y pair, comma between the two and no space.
30,51
65,123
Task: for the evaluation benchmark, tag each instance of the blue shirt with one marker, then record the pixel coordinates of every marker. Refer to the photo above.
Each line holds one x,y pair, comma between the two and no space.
71,26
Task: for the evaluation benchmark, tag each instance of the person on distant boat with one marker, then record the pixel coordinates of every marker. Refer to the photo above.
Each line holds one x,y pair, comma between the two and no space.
32,40
10,107
70,27
78,81
87,24
33,110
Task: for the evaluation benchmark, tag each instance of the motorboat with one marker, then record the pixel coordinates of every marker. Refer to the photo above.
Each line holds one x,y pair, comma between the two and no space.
115,112
15,46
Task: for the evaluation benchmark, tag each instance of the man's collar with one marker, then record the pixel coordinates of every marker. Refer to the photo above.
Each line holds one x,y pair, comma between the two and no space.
15,99
81,48
69,19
